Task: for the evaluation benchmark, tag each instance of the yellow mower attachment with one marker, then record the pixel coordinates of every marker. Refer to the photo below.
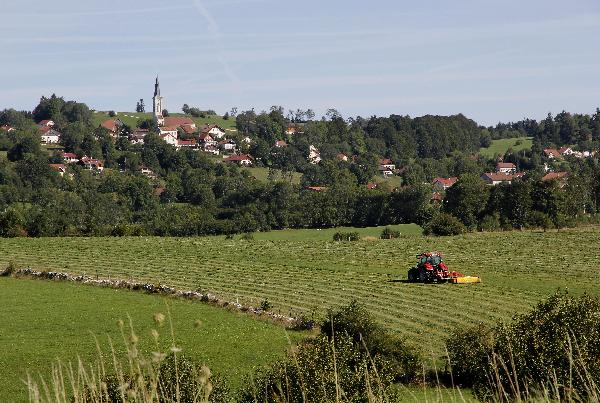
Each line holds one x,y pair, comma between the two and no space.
466,280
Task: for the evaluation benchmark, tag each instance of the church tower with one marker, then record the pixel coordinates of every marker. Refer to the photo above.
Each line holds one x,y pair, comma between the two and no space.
157,105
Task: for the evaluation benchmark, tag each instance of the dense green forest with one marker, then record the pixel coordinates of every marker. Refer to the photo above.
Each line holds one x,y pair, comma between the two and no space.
193,193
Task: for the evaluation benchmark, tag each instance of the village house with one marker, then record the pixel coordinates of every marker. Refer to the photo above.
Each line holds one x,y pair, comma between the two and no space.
342,157
187,124
316,188
7,128
551,153
191,143
138,135
495,178
227,146
113,126
292,129
560,177
386,167
242,159
46,123
60,168
566,151
49,135
314,156
92,164
169,135
280,144
506,168
441,184
215,131
69,158
207,139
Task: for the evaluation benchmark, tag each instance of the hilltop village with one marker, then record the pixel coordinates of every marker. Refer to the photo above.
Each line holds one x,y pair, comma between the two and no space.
253,171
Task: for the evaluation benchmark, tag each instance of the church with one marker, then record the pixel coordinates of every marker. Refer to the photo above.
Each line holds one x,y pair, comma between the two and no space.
169,124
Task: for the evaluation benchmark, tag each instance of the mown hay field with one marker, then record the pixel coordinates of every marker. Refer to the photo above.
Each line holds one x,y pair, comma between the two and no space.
299,277
42,321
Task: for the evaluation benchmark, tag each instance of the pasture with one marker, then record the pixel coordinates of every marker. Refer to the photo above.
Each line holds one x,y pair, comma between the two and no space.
43,321
501,146
306,276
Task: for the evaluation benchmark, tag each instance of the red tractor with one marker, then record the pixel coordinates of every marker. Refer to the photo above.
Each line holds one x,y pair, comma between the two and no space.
431,268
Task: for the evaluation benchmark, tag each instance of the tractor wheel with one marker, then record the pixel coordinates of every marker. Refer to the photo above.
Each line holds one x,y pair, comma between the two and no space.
413,275
423,276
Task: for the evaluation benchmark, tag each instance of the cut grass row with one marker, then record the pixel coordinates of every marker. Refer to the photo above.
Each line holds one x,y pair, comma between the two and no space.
302,276
43,321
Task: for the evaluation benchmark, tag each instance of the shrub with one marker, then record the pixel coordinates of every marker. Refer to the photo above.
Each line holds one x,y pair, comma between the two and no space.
490,223
372,338
112,114
389,233
346,236
555,348
265,305
444,225
319,370
249,236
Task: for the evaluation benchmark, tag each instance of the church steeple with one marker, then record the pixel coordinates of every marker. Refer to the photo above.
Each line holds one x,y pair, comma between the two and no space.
157,104
156,88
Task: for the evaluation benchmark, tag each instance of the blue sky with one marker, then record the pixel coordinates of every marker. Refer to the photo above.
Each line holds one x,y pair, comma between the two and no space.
491,60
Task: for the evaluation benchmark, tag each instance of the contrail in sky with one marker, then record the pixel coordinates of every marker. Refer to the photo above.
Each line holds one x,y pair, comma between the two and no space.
213,29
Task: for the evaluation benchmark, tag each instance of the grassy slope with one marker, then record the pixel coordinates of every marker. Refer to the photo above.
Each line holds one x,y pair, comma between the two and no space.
262,175
518,270
131,119
501,146
44,320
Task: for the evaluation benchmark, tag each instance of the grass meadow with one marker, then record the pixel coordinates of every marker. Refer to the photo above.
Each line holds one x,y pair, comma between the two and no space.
45,320
503,145
302,276
132,118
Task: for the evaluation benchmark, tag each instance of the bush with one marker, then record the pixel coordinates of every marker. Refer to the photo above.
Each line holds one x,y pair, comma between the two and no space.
389,233
372,338
265,305
346,236
555,348
247,237
318,371
444,225
490,223
112,114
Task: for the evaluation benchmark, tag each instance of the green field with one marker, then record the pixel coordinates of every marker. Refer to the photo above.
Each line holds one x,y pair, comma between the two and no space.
44,320
132,118
262,174
326,234
501,146
518,270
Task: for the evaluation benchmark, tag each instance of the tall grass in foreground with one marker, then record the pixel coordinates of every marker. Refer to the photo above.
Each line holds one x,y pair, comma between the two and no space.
549,354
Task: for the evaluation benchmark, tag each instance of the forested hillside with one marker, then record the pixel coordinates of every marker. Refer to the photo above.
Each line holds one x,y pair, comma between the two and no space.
152,187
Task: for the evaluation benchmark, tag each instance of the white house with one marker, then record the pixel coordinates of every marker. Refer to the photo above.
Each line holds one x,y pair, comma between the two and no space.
169,134
441,184
506,168
314,156
386,164
243,159
215,131
228,146
69,158
92,164
50,136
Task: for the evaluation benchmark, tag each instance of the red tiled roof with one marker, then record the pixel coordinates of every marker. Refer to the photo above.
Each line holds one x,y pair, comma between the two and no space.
45,129
386,161
168,129
69,155
446,181
436,196
509,165
371,185
188,129
191,142
555,175
552,151
58,166
110,125
280,143
45,122
500,177
178,121
241,157
316,188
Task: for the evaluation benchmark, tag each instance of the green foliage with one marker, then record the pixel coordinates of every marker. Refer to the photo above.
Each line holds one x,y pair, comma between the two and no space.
555,347
444,224
402,363
346,236
467,199
389,233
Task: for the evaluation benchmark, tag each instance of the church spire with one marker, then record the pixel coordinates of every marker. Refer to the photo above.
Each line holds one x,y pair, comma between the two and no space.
156,88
